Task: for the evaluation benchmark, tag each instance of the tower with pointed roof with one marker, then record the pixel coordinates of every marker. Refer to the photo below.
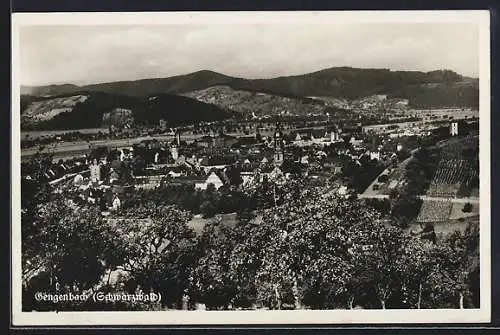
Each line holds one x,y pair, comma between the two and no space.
174,147
279,147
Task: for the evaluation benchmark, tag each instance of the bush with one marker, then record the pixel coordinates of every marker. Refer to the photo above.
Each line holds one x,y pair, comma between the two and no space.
383,178
406,206
207,209
467,208
381,205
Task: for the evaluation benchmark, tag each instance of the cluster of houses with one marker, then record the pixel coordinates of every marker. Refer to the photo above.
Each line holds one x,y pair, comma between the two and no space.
54,172
380,101
212,160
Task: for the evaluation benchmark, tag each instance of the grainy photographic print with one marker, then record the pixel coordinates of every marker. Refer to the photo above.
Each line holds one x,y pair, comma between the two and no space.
228,168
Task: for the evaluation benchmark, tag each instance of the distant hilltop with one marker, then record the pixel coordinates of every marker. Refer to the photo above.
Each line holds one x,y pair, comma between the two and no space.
441,88
84,109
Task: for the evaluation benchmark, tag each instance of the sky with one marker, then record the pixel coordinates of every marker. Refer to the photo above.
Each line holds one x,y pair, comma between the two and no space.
89,54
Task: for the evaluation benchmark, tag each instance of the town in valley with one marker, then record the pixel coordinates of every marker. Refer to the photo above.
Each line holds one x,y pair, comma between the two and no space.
346,188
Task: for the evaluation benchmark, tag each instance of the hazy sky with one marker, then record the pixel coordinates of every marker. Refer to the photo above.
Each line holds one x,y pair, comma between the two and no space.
93,54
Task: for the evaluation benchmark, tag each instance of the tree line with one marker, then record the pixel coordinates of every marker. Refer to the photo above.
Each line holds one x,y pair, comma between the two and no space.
307,250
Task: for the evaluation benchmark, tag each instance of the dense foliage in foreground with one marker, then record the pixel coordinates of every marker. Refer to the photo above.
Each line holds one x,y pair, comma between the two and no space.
311,250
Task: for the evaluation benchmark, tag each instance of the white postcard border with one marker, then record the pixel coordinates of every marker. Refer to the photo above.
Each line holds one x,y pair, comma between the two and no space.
483,314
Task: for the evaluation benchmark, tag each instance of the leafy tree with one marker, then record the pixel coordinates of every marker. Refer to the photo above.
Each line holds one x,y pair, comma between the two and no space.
244,215
73,252
421,168
234,175
374,248
210,281
455,278
416,264
318,248
156,248
34,193
138,165
207,208
405,207
381,205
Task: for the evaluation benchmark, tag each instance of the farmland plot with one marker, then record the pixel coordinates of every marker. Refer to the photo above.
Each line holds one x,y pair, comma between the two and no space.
457,174
435,211
457,212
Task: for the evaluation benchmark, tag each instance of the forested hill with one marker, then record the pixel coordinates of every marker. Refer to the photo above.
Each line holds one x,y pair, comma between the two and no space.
85,109
441,88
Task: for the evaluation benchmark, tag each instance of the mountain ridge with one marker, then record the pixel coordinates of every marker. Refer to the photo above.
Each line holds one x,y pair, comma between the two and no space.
441,87
87,109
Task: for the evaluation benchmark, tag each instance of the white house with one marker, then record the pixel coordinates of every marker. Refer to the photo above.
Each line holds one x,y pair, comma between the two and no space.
174,151
95,171
113,175
78,179
174,174
116,203
375,155
334,137
342,191
454,128
212,178
355,142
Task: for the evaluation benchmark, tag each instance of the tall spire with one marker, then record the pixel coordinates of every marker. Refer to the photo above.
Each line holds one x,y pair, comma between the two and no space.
178,137
278,145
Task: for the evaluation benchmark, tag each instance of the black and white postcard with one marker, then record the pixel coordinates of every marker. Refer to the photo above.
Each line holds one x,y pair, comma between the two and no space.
213,168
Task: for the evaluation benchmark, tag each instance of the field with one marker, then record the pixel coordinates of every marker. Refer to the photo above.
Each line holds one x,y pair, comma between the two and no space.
457,174
441,211
435,211
457,211
445,113
248,103
48,109
448,226
46,133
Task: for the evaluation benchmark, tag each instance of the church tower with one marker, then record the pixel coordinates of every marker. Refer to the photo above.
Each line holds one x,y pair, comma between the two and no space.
174,147
279,147
454,128
174,150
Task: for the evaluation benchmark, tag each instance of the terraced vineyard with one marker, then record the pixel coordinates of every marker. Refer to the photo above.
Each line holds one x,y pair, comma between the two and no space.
457,174
435,211
450,176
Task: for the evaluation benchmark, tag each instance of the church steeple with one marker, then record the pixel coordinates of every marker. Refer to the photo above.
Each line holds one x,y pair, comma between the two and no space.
174,146
279,146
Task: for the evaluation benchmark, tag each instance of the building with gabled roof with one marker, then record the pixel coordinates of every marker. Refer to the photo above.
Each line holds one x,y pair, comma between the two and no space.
215,177
215,162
